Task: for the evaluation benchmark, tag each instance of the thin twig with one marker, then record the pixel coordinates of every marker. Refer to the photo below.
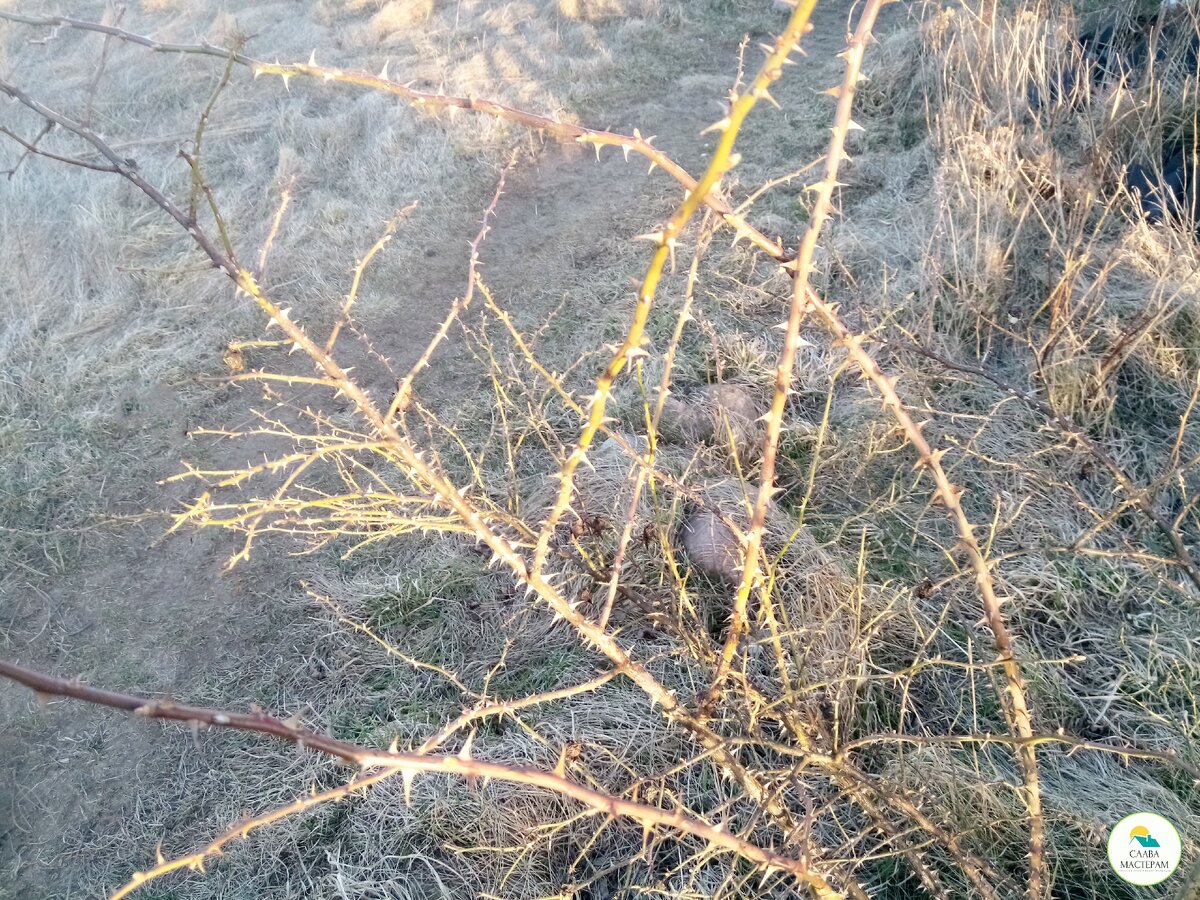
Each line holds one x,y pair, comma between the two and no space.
404,388
118,13
360,268
198,137
241,830
32,149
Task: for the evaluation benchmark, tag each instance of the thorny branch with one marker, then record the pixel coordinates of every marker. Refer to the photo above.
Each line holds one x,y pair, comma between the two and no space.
421,471
815,746
563,131
1015,705
404,389
723,161
407,765
802,268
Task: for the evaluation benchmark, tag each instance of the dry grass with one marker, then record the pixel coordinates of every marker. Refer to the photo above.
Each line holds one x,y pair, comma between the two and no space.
1044,335
1007,246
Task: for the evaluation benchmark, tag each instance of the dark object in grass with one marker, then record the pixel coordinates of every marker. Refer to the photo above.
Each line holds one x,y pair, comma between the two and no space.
1167,191
1123,51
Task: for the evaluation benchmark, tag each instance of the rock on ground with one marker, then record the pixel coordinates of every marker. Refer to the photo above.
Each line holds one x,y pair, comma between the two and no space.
713,415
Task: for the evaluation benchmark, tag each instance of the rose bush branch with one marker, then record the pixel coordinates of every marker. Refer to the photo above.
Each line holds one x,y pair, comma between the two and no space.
408,766
430,481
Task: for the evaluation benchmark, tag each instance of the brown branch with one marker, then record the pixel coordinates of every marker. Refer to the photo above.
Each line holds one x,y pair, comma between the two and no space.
32,149
563,131
409,765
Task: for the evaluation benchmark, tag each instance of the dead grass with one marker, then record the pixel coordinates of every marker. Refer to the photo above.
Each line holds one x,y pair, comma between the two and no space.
604,10
1017,253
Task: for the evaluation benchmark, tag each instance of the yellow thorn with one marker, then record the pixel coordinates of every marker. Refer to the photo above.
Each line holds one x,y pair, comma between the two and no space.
653,236
717,126
764,94
407,776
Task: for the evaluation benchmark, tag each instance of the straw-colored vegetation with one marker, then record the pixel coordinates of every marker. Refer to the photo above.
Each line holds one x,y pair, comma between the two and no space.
344,406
